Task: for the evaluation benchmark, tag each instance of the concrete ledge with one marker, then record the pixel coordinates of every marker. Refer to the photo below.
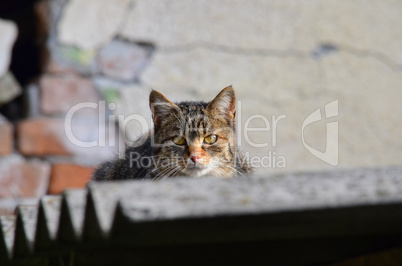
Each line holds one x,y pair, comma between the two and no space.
322,217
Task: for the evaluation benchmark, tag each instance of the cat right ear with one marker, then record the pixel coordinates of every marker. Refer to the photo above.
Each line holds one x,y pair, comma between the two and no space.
160,106
224,104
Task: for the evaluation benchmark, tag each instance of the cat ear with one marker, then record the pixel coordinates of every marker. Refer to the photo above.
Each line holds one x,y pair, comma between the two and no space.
160,106
224,103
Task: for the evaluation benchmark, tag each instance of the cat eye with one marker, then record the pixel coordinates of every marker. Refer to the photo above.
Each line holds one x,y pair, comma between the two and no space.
211,139
179,140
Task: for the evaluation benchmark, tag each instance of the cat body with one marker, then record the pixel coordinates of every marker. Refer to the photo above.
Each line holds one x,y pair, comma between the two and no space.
189,139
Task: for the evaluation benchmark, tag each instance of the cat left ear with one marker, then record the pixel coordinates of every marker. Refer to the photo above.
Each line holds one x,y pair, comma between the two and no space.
160,106
224,103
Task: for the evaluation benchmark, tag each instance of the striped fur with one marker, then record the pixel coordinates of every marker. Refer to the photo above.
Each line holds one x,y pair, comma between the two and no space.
159,157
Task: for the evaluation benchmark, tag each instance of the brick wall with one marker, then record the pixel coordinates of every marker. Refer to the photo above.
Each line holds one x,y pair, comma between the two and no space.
36,155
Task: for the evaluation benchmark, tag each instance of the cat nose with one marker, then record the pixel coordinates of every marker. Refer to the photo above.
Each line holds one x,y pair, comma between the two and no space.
195,158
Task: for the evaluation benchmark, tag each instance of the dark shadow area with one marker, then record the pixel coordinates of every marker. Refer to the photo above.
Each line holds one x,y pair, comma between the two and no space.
29,52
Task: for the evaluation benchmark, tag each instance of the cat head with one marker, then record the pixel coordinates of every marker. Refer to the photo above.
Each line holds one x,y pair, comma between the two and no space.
194,138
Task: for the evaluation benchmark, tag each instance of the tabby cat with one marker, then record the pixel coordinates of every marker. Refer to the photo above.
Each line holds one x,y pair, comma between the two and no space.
189,139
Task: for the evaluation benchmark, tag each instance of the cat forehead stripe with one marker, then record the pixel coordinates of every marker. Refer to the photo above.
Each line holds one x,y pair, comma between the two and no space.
180,129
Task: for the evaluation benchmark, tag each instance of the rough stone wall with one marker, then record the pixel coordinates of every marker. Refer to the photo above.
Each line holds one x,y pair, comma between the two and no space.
36,157
285,59
22,180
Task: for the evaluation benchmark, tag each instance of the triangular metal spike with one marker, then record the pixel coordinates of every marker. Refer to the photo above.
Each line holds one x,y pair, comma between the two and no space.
104,198
27,216
188,211
48,221
119,224
72,213
51,206
92,229
7,235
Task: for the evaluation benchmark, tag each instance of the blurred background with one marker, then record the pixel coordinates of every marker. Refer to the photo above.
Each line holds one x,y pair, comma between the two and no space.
285,59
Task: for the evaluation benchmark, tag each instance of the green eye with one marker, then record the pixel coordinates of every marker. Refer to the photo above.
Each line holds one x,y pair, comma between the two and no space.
179,140
211,139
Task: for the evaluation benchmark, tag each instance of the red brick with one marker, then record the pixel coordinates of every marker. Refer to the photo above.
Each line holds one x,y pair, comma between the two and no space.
68,176
60,93
20,178
47,136
7,138
42,136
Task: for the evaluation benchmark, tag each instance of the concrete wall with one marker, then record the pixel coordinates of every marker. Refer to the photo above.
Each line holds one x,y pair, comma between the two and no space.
329,69
282,57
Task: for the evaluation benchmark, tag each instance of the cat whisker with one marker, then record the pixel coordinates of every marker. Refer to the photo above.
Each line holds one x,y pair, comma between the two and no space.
161,174
217,172
233,168
171,173
157,168
168,170
178,170
226,166
172,120
220,172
